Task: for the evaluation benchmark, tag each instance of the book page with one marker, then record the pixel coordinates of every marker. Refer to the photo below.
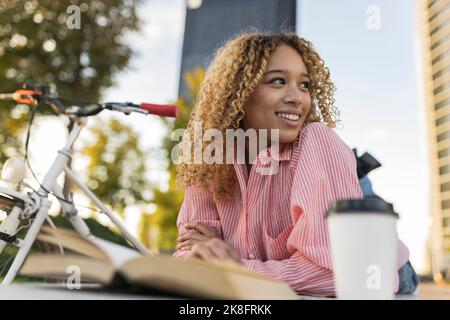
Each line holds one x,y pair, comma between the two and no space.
62,267
117,254
92,246
204,279
72,241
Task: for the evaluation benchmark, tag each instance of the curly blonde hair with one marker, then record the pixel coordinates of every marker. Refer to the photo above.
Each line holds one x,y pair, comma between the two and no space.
231,78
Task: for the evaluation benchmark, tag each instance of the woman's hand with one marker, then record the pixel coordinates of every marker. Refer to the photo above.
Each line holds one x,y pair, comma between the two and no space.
215,249
187,240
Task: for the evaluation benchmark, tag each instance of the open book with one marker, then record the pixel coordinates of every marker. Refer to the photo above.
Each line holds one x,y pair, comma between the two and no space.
107,263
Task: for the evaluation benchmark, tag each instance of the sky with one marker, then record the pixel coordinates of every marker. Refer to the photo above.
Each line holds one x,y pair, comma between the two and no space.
371,49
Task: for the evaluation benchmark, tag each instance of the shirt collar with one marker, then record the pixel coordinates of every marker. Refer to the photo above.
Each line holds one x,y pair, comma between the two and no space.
278,152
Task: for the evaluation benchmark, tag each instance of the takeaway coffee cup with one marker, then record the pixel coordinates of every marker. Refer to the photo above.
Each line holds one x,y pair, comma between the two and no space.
364,248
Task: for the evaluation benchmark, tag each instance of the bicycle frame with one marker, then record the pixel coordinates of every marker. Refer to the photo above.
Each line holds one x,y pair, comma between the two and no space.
49,184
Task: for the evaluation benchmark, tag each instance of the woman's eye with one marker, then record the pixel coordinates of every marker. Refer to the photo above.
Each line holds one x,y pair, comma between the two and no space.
277,81
305,85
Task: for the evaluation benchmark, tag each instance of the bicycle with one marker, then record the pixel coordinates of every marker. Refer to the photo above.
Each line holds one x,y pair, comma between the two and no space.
29,210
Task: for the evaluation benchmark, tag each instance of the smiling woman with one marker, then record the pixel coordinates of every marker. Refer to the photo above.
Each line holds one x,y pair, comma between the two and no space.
273,223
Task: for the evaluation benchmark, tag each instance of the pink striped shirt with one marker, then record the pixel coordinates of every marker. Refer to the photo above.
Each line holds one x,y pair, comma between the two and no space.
276,222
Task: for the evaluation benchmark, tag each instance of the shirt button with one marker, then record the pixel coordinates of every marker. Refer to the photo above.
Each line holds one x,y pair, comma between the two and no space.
251,256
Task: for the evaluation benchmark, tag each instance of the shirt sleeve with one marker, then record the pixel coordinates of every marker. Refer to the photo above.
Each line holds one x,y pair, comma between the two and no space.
198,206
325,171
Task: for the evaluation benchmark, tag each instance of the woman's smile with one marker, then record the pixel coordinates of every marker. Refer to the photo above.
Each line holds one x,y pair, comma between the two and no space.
289,119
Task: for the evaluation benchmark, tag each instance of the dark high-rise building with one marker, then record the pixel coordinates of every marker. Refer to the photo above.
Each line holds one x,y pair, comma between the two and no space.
215,21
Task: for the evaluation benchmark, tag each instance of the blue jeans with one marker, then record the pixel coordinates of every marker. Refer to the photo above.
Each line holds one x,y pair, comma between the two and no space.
366,187
408,277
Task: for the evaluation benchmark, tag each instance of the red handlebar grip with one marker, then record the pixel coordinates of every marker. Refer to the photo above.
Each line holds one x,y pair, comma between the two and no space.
163,110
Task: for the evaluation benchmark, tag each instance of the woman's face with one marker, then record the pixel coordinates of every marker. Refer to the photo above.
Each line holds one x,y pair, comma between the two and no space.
281,100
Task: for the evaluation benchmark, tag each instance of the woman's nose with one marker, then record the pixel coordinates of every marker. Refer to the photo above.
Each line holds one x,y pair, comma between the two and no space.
293,95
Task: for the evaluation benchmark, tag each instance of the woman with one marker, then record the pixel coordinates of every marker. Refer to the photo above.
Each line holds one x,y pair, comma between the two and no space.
272,223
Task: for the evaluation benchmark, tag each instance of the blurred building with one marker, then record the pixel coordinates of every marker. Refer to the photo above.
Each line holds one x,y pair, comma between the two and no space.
215,21
435,28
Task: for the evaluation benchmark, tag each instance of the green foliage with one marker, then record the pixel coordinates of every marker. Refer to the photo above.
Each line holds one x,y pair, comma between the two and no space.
37,46
117,166
168,203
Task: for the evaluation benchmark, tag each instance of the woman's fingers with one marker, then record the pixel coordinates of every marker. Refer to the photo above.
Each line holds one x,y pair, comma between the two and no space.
185,248
189,239
202,251
234,255
215,249
227,252
218,249
192,235
202,228
189,242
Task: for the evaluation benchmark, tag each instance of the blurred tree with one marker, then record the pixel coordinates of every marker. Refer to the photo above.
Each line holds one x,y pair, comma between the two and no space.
158,229
117,166
37,45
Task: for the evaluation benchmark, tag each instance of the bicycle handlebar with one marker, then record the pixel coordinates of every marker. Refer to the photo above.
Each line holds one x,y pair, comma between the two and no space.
37,95
163,110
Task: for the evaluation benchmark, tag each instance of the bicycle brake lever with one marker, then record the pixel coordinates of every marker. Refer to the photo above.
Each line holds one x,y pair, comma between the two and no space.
125,108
